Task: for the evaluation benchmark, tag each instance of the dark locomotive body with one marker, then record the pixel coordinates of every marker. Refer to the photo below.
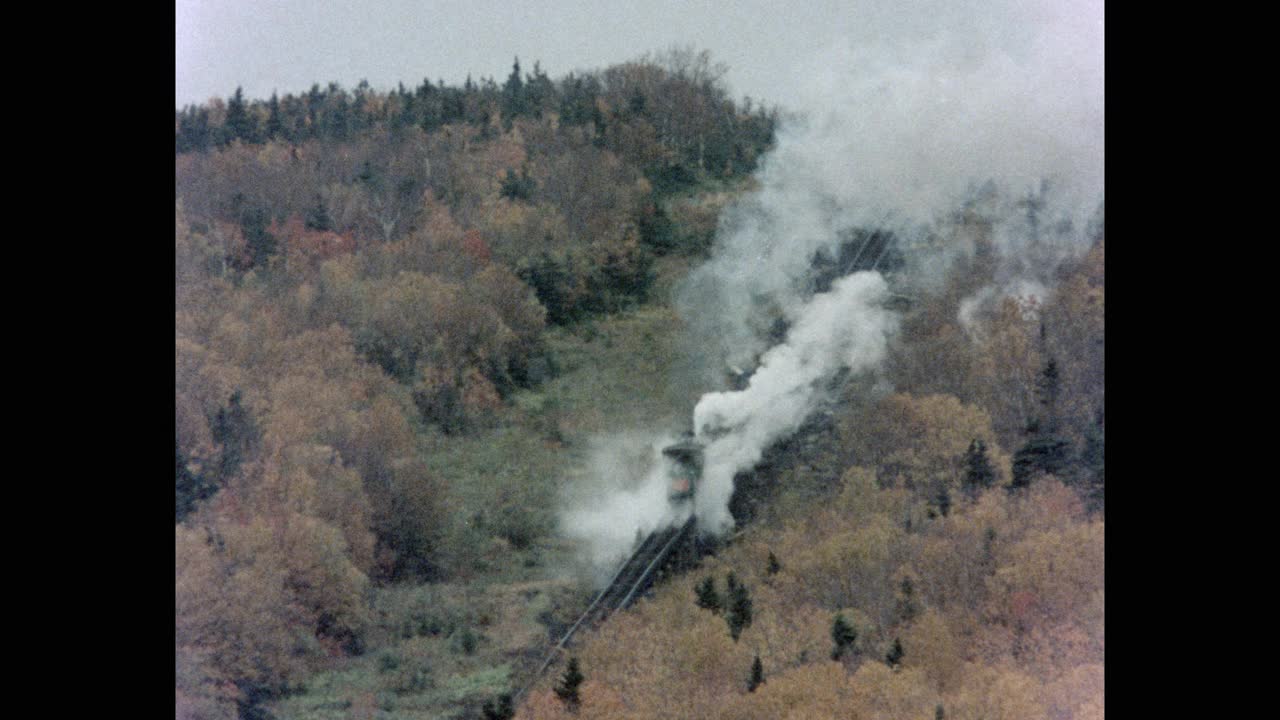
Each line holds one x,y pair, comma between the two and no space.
684,470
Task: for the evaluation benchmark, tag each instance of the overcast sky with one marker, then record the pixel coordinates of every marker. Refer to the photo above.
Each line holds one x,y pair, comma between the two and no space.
287,45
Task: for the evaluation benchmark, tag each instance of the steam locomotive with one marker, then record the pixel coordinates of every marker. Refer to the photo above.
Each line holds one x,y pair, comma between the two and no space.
684,469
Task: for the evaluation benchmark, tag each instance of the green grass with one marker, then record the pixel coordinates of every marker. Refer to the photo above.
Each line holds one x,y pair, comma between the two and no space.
617,374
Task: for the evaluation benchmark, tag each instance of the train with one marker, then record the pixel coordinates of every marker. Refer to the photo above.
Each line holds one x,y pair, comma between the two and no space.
684,470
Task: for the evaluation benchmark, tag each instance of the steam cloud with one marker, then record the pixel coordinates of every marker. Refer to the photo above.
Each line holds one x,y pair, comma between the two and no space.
843,328
924,108
627,497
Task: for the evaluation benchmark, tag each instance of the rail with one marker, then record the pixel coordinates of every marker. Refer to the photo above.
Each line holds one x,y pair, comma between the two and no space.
631,579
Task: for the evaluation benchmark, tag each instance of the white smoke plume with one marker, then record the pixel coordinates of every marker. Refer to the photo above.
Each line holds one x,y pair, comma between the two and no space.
624,497
928,106
844,328
924,106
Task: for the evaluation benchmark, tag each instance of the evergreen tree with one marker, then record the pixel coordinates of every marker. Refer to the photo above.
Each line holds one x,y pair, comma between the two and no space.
939,713
539,92
656,229
193,130
235,430
514,102
1048,385
1093,462
943,500
907,607
239,124
500,709
315,98
275,124
774,566
1045,452
361,118
978,473
567,688
757,675
708,598
988,559
318,216
253,225
843,635
189,487
739,614
552,280
337,117
895,654
517,187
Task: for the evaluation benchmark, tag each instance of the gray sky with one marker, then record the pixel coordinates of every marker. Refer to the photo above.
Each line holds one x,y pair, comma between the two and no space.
286,45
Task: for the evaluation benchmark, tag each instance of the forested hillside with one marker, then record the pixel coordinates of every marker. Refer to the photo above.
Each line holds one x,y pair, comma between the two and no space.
404,320
371,288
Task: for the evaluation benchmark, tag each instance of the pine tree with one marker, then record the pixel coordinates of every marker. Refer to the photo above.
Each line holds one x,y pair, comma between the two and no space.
1048,386
500,709
1046,451
757,675
907,607
253,225
978,473
894,657
318,216
774,566
939,713
189,487
989,550
275,125
539,91
235,430
513,95
517,187
843,635
708,598
1093,461
739,615
238,123
567,688
943,500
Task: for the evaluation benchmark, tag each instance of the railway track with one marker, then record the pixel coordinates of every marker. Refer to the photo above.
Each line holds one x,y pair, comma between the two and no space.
632,578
